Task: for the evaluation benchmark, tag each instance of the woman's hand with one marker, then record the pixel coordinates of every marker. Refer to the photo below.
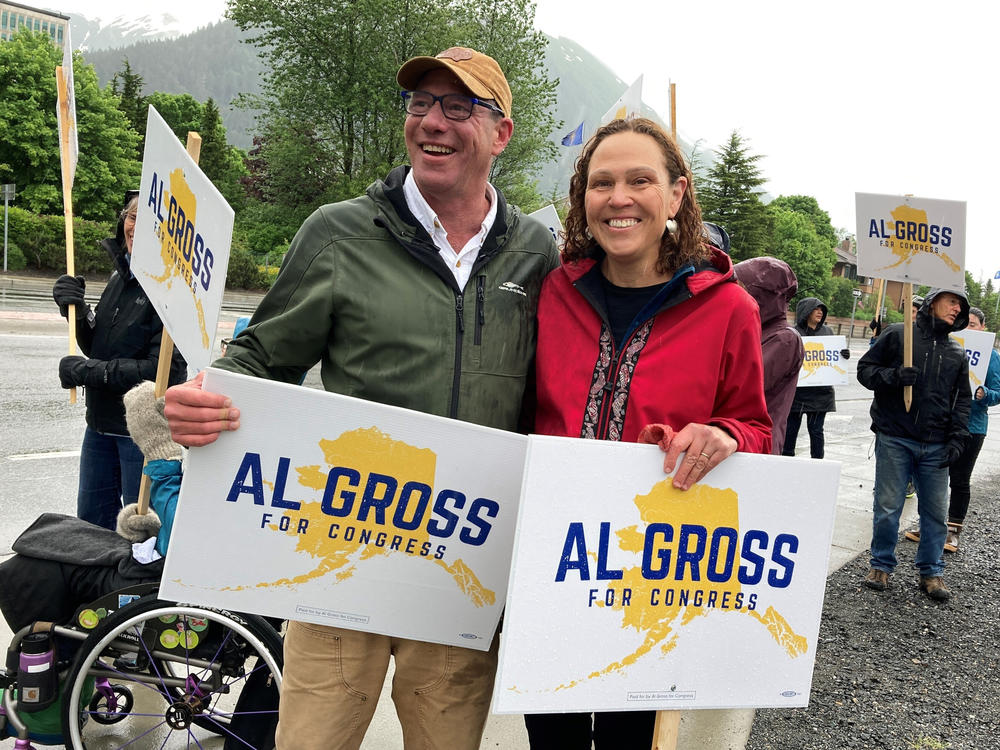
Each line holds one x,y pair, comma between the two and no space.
706,447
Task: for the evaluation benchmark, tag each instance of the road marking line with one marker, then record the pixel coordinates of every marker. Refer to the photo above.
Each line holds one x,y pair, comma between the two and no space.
36,456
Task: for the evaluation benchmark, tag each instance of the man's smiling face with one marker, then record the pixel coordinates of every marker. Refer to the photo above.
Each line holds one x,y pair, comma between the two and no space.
452,158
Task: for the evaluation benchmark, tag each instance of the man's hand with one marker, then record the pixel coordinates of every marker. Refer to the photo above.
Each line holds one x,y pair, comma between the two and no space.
198,417
953,450
907,375
845,353
68,290
980,393
706,447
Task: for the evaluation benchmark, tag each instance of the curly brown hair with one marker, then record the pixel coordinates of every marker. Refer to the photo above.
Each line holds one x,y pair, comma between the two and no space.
683,247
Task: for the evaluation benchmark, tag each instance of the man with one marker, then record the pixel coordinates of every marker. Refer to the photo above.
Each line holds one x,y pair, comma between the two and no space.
922,442
422,294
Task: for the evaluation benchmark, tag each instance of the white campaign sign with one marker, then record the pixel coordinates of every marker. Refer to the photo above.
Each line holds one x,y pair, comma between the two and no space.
822,363
914,240
627,594
977,345
345,512
550,218
180,253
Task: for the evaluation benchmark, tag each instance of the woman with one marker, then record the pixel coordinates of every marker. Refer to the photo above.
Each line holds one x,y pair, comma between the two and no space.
816,400
960,472
643,325
121,341
772,283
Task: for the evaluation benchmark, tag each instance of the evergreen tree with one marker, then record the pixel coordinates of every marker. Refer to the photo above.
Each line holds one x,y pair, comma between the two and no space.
127,86
222,164
730,196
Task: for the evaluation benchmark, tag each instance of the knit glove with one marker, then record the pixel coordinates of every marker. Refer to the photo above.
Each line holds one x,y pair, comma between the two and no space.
907,375
68,290
147,425
75,370
134,527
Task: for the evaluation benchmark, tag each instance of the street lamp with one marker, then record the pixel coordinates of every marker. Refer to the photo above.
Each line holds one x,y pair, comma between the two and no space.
854,307
9,190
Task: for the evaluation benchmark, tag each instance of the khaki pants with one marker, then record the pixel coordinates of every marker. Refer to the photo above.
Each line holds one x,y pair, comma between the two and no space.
333,677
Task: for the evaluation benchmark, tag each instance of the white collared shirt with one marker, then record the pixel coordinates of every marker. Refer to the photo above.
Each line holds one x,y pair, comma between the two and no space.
460,262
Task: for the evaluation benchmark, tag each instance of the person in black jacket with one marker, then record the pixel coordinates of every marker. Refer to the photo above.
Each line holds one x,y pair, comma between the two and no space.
922,442
816,400
121,341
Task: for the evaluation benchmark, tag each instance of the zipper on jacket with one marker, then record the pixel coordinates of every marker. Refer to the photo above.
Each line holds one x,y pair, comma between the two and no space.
480,309
459,336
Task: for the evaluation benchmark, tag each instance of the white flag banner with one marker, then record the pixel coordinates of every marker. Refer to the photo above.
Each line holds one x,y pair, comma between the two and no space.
67,129
628,106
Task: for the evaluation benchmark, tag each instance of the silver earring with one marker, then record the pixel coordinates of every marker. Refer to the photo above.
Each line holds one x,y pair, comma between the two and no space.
586,231
671,227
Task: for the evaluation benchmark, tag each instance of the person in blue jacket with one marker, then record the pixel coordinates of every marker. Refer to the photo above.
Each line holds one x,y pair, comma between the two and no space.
960,472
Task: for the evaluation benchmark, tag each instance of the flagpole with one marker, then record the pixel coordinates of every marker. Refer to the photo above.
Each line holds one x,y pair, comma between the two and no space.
673,110
166,350
67,181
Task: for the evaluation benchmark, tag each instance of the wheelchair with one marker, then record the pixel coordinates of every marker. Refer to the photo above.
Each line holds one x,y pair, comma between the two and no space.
131,670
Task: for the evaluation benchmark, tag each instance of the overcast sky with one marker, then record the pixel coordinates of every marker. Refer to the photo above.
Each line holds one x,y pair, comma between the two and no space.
881,96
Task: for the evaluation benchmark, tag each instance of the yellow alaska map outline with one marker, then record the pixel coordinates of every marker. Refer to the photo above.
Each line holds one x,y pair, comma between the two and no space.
701,505
813,366
905,255
174,265
373,451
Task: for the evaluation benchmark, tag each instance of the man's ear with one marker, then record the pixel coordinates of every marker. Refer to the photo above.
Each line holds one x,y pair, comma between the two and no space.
504,131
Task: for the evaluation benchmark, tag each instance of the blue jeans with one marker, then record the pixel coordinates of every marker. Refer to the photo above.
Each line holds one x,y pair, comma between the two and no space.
896,460
110,471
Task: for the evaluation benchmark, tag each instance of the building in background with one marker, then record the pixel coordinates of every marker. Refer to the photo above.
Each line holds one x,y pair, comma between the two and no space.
14,16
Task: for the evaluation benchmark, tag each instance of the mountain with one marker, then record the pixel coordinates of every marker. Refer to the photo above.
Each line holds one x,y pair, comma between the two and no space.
213,62
210,62
92,34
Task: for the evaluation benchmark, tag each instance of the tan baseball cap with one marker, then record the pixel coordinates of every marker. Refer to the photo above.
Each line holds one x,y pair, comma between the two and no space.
479,73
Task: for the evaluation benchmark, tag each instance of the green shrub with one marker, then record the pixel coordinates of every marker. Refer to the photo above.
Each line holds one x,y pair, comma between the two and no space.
243,272
42,241
15,258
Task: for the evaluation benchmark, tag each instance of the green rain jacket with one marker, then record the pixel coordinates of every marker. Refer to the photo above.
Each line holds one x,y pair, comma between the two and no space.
364,291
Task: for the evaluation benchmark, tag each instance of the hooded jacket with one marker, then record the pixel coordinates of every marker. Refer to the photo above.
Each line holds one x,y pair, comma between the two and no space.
772,284
815,397
364,291
122,340
939,412
693,355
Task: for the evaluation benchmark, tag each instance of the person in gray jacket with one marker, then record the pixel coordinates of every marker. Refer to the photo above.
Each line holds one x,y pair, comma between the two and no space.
422,293
816,400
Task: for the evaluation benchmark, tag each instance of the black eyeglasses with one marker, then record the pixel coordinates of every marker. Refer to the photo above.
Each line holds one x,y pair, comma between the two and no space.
454,106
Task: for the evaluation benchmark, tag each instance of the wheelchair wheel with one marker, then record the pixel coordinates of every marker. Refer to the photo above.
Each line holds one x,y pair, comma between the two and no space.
172,675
